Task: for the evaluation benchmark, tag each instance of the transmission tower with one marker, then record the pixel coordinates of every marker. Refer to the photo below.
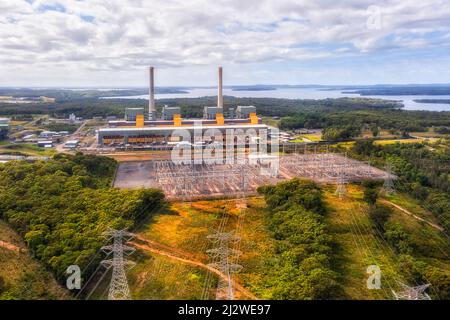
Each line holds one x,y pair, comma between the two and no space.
341,190
412,293
118,287
388,185
224,256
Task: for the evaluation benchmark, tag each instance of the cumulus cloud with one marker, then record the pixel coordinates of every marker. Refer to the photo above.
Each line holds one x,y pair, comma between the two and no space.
100,35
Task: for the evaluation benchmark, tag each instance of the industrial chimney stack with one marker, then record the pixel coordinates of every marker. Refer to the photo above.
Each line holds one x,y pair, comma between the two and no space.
219,93
151,100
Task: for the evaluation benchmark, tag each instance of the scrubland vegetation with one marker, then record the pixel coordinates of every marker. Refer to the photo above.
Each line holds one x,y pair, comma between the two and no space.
61,207
422,173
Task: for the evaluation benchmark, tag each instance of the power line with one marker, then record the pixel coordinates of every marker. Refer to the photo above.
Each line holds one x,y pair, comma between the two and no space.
412,293
87,283
358,230
118,287
341,191
388,185
225,255
209,276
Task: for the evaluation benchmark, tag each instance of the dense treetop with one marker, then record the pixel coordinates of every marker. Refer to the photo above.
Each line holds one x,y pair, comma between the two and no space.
303,268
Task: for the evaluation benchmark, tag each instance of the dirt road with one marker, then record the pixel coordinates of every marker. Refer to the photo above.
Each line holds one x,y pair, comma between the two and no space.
10,246
185,257
437,227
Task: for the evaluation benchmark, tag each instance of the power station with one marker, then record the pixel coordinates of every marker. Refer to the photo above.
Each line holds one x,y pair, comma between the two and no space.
137,129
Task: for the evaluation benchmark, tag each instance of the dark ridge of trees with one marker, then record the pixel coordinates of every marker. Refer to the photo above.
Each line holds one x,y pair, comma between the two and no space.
303,267
192,107
341,133
62,127
386,118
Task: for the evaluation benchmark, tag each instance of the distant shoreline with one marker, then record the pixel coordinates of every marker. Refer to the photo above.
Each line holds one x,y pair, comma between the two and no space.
443,101
402,91
255,89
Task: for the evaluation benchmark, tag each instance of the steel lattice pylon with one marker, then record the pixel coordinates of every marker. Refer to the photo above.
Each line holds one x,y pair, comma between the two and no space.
118,288
341,190
224,255
388,185
412,293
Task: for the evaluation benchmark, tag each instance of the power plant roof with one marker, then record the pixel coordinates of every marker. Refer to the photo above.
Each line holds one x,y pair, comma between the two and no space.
163,128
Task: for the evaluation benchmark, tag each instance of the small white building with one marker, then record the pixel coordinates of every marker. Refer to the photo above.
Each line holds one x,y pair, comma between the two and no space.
47,134
71,144
45,144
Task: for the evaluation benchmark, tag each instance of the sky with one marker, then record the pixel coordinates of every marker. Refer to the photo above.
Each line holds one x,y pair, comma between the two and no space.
110,43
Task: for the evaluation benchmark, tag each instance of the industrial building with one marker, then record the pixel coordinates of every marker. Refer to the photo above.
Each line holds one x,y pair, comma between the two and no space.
168,113
4,128
71,144
45,144
137,129
132,113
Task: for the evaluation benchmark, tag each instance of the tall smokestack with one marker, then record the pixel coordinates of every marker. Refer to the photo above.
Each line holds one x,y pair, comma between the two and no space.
219,93
151,93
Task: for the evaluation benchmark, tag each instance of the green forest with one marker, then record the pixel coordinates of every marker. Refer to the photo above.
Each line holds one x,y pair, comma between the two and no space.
421,172
413,256
351,121
303,267
62,206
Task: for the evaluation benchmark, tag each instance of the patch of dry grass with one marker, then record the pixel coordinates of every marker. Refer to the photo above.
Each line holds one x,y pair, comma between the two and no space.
25,278
392,141
184,227
357,246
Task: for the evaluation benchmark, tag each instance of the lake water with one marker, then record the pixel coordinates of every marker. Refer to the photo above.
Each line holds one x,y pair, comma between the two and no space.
300,93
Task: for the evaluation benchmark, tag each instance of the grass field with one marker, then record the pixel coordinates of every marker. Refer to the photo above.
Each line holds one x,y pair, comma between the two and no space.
346,145
360,246
385,134
271,122
411,205
429,134
357,246
350,144
17,123
26,149
313,137
392,141
139,155
159,277
25,278
182,229
430,245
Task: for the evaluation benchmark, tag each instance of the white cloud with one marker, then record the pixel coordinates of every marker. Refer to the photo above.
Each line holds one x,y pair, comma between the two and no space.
125,35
